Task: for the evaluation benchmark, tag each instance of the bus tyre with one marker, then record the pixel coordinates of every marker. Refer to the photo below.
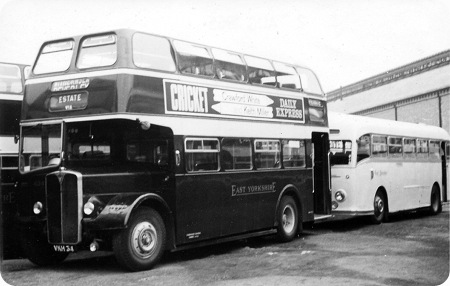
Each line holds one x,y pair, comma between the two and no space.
37,250
379,208
141,245
435,201
287,219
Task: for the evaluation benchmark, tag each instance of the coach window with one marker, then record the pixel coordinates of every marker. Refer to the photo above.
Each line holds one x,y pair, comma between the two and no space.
99,51
229,65
236,154
422,148
435,149
202,154
193,59
379,146
363,148
294,153
267,154
395,147
287,77
152,52
409,147
260,71
10,79
54,57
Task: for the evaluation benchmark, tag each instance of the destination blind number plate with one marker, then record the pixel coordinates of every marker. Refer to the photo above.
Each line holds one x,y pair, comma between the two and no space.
63,248
69,102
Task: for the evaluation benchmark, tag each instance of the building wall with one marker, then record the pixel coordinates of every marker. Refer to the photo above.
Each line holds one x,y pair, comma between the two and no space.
418,92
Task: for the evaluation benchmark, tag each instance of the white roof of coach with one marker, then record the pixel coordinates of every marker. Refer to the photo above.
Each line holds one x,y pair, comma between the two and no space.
354,126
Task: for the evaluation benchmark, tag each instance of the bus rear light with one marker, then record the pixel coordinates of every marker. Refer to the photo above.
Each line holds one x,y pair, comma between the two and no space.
340,196
37,208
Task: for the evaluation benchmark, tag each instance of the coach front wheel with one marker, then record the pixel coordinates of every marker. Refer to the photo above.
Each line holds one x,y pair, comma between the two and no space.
142,243
379,208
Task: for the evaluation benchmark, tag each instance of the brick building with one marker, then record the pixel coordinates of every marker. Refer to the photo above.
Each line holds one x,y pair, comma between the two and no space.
418,92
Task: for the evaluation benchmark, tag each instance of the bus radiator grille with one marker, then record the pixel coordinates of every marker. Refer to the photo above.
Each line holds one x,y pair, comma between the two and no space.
63,208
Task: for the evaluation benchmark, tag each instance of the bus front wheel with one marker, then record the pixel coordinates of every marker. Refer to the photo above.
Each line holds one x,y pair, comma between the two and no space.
379,208
142,243
287,219
37,250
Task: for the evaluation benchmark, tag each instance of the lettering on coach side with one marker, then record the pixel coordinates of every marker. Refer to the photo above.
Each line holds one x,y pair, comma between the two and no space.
188,98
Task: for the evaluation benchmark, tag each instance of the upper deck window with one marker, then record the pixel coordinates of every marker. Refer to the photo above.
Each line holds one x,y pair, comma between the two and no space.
54,57
229,65
10,79
152,52
98,51
287,77
309,81
260,71
193,59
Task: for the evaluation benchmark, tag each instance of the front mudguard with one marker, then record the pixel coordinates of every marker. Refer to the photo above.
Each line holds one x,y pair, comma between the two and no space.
116,213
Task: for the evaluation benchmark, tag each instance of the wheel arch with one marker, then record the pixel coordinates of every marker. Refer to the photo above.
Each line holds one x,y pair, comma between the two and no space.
384,191
159,205
290,190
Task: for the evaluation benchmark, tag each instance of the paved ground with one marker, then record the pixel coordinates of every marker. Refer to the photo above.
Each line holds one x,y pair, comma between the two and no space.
413,249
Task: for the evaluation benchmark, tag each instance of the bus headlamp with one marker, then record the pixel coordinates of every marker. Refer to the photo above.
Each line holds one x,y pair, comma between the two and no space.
89,208
93,206
38,207
340,196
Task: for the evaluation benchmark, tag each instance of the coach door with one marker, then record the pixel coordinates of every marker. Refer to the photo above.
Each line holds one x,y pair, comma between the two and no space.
445,171
321,170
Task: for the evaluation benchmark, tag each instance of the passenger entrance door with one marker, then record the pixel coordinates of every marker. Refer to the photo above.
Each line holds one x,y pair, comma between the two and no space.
321,170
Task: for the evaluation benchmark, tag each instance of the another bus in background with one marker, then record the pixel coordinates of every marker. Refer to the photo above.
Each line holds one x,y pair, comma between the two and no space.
382,166
139,143
12,78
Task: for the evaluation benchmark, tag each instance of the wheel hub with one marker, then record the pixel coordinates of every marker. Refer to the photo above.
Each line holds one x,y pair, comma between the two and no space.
144,239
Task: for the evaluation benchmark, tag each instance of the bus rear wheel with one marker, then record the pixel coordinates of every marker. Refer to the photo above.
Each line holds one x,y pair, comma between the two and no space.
379,208
287,219
141,245
435,201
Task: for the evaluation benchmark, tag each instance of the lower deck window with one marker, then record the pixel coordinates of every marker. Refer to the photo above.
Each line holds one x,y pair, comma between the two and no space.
267,154
294,153
236,154
202,154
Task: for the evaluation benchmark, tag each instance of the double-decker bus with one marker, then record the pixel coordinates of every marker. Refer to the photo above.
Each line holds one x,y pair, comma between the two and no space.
11,94
139,143
381,166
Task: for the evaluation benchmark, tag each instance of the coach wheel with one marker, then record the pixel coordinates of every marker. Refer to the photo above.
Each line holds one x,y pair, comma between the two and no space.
287,219
37,250
435,206
142,243
379,208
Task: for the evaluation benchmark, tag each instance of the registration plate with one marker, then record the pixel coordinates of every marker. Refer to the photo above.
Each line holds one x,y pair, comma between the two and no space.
63,248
